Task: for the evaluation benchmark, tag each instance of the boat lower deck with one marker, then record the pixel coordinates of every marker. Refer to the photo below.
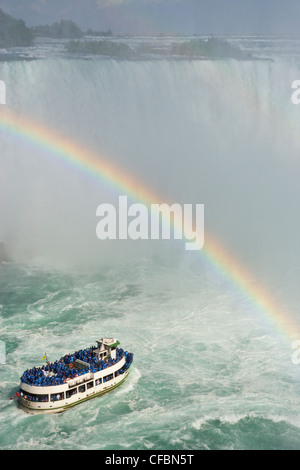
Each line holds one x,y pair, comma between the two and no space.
34,407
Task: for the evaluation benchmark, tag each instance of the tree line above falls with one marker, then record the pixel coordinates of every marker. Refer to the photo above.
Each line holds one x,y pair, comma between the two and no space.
213,48
15,33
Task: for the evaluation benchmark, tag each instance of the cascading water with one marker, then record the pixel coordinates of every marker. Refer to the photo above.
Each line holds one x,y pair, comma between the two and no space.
209,370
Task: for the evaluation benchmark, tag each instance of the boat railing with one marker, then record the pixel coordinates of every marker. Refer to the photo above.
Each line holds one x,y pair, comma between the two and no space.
64,370
80,379
82,364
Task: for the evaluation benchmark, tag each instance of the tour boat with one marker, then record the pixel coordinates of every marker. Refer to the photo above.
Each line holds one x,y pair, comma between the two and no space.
74,378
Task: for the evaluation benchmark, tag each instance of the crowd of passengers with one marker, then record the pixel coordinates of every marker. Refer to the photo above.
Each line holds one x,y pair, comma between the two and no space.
56,373
128,359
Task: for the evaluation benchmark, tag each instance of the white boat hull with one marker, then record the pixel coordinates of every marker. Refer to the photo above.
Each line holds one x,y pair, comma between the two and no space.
38,407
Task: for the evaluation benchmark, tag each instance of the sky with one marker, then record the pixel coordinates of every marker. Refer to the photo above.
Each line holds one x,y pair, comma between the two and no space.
164,16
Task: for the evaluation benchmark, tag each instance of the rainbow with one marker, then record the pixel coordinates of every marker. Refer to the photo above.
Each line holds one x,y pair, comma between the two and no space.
70,152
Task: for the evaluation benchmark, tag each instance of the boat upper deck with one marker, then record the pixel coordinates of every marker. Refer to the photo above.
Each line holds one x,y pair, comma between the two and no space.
69,367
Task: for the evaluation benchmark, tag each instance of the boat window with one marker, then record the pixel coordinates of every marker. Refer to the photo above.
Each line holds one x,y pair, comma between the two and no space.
90,385
108,377
33,396
98,381
71,392
56,396
81,388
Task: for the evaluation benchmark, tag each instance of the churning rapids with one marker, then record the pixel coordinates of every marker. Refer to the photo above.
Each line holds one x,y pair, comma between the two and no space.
212,369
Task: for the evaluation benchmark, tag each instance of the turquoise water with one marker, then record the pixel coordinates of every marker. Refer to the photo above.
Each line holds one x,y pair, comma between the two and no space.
207,374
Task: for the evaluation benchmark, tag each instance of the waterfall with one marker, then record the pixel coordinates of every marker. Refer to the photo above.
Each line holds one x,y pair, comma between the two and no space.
220,133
